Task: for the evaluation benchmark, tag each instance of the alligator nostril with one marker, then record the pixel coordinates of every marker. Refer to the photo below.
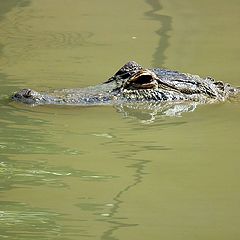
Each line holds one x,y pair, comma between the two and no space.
24,93
28,93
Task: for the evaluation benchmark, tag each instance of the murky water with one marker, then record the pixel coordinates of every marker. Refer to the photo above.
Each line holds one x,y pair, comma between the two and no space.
108,173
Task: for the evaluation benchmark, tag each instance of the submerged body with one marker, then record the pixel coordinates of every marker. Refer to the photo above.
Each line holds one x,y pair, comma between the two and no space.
132,83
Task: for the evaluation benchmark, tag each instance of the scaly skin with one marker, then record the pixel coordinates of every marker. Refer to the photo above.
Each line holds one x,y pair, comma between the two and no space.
131,84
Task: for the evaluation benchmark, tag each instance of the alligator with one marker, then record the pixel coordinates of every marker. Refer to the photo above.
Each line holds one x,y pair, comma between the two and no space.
134,84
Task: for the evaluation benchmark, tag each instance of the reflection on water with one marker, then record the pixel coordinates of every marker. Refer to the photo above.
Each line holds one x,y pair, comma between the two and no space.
149,112
110,213
159,56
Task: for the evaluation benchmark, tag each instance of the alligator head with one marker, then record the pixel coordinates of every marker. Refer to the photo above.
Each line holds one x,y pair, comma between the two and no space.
133,83
125,84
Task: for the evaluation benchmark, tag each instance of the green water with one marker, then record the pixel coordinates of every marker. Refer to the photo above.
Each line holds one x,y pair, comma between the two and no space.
101,173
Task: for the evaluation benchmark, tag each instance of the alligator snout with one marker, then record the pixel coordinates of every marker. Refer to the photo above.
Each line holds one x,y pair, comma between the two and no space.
25,95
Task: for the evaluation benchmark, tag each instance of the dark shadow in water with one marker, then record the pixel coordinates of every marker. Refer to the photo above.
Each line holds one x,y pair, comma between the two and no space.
165,22
138,166
116,224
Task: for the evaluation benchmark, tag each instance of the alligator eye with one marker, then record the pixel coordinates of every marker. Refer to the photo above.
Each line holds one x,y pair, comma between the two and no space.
142,80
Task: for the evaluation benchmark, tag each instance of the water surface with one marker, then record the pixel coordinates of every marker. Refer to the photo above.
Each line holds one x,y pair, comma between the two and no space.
109,173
